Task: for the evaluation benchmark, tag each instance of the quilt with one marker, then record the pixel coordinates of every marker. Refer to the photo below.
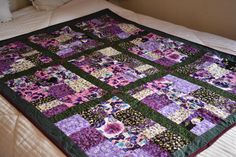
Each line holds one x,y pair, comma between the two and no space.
104,86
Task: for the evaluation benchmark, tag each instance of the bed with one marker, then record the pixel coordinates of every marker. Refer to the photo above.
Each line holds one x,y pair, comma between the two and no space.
19,137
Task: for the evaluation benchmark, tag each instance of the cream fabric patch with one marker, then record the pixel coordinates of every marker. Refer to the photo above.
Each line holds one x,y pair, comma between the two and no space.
79,84
143,94
216,111
143,68
109,52
217,71
180,115
48,105
154,130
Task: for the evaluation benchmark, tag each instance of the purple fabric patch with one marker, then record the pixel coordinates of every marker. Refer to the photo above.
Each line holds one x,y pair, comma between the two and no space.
123,35
105,149
202,127
150,46
55,110
165,62
156,102
169,109
154,150
72,124
201,121
87,138
208,115
182,85
61,90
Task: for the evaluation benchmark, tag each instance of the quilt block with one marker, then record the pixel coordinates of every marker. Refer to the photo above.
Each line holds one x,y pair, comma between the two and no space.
64,42
106,27
54,90
185,103
215,70
113,67
17,57
161,50
118,129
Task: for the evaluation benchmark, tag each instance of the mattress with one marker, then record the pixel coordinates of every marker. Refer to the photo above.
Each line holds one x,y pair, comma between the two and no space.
19,137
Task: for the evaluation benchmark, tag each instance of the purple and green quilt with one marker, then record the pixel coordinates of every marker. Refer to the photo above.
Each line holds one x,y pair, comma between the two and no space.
104,86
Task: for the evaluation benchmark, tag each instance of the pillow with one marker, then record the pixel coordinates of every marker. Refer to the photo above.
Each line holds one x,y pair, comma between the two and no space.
18,4
48,4
5,13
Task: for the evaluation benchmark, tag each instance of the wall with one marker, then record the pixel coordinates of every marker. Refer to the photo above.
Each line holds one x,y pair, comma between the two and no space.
214,16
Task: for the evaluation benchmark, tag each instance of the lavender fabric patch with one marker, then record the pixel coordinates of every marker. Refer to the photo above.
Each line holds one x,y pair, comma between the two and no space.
72,124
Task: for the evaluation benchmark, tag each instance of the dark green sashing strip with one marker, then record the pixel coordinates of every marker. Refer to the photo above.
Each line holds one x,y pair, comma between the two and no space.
79,108
156,116
205,85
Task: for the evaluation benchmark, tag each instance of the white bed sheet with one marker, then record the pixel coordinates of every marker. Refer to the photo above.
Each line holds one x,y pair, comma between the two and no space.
19,137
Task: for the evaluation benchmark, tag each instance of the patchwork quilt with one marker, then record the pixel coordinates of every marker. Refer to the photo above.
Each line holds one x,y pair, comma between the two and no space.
104,86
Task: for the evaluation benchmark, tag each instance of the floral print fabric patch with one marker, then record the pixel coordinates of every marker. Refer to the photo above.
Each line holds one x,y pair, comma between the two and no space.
103,86
179,101
54,90
17,56
65,42
113,67
114,132
215,70
109,28
163,51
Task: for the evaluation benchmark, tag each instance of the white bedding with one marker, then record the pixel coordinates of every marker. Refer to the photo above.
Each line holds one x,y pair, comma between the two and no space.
18,137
